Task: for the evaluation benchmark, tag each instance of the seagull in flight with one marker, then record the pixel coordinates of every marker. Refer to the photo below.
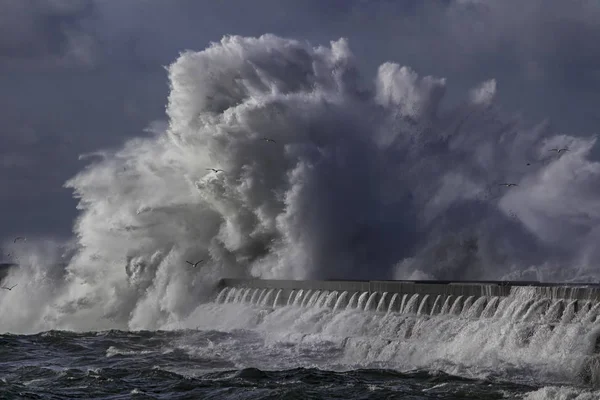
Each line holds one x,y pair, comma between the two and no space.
194,264
19,238
215,170
10,288
559,150
268,140
508,184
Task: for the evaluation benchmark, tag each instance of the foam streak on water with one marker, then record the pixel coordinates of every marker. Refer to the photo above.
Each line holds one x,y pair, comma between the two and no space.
198,365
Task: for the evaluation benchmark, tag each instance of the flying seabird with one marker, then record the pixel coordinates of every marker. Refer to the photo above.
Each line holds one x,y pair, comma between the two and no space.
194,264
559,150
268,140
10,288
19,237
508,184
215,170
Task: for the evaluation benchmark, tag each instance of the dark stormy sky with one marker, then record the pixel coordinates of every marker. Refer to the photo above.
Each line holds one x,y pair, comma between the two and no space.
82,75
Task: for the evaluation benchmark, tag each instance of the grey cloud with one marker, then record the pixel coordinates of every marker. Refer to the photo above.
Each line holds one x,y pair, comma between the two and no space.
46,33
78,76
556,38
538,38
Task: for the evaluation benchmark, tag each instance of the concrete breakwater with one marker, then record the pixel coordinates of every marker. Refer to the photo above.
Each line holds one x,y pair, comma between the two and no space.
477,298
535,313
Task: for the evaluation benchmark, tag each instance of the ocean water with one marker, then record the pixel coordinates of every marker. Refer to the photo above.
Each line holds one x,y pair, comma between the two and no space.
364,177
519,347
191,364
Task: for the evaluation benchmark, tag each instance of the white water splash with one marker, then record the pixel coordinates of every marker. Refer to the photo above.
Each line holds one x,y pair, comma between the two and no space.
364,180
562,393
524,337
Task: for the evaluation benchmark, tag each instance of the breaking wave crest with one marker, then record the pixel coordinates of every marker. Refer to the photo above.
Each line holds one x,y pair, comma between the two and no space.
361,179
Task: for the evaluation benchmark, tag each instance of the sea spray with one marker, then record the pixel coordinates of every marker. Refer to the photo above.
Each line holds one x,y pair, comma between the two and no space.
363,178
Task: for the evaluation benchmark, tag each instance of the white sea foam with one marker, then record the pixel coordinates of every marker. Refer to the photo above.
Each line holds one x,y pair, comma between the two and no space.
522,338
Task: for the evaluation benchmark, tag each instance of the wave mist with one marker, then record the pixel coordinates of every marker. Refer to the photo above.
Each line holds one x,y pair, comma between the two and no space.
363,179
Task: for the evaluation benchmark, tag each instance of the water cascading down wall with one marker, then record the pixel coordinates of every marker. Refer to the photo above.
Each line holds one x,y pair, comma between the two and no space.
474,299
532,304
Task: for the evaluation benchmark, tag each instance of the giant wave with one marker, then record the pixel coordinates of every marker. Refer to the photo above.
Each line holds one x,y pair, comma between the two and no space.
366,179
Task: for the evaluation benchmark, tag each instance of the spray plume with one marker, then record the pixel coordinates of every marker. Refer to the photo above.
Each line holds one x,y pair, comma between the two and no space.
361,180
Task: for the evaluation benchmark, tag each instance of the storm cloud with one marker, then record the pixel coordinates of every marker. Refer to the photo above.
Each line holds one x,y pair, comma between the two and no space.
79,76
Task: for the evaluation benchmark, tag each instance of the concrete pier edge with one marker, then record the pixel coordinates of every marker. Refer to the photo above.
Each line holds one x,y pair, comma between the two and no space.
575,291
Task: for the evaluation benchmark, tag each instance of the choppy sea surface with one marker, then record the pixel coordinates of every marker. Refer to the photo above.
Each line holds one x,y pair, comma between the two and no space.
298,360
189,365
